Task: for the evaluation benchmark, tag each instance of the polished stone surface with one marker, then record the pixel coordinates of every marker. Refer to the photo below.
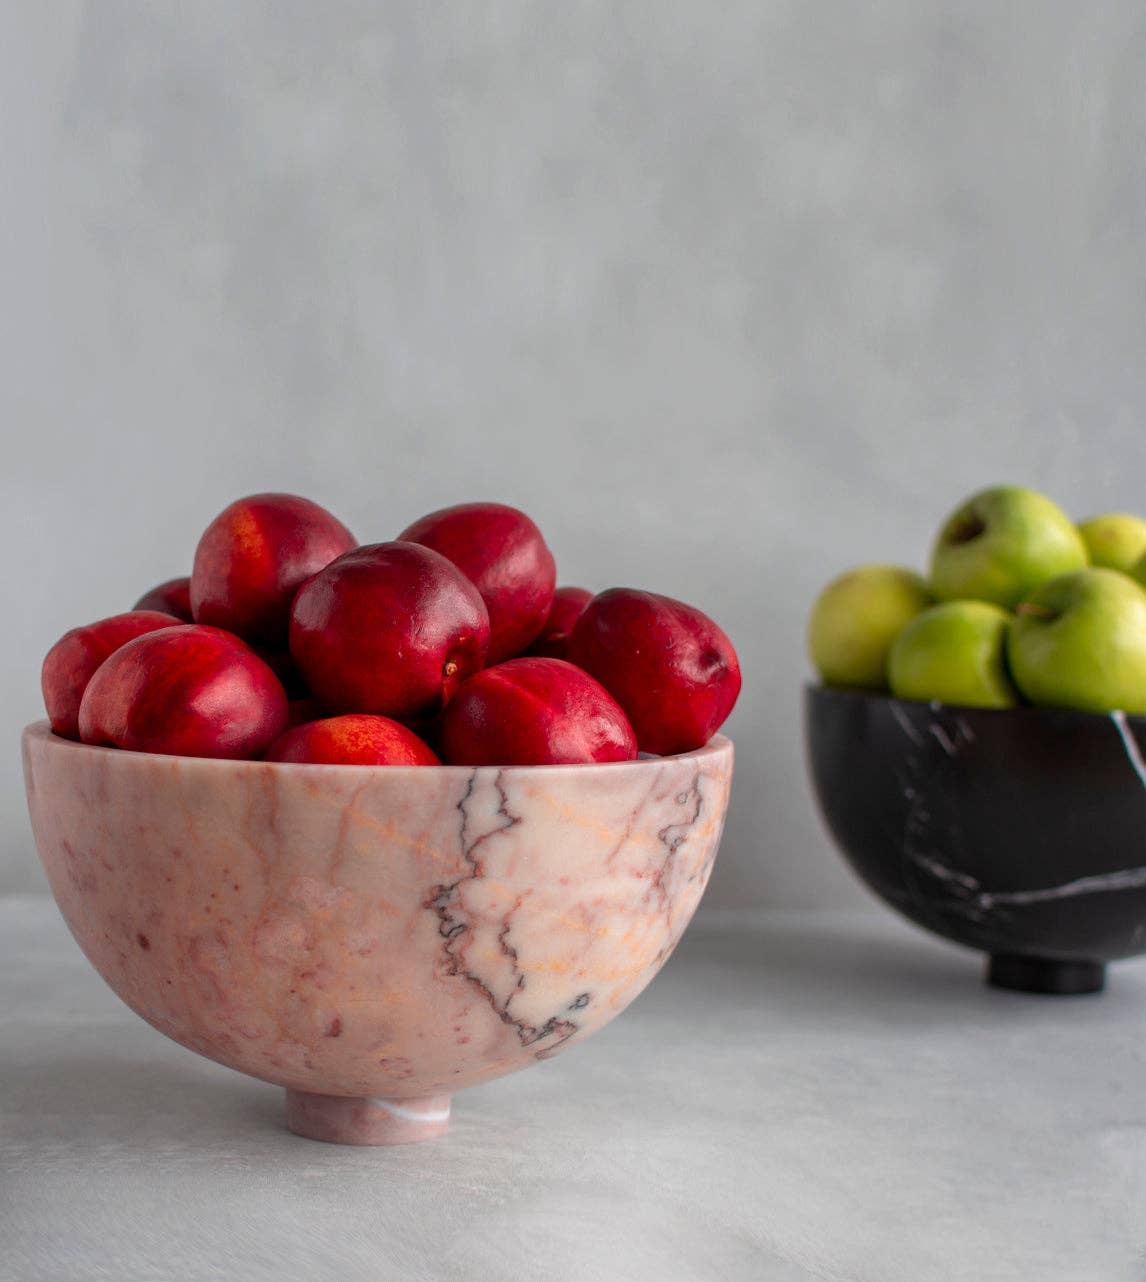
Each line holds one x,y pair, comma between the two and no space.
382,933
797,1097
1017,831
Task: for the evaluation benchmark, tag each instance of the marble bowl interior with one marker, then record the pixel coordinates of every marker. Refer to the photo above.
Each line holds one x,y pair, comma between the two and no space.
374,932
1018,832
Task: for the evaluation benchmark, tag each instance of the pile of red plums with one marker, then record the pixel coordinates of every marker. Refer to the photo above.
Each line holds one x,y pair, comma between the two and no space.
291,642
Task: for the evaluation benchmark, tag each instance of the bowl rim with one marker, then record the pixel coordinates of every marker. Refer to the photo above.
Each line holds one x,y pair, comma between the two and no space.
719,746
817,690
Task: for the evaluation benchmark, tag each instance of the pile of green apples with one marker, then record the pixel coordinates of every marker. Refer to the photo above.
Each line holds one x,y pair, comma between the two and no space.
1021,605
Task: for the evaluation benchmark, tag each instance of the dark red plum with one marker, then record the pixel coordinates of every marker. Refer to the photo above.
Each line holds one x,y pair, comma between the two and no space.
553,640
171,597
501,552
668,665
391,629
534,712
72,662
356,739
188,691
252,559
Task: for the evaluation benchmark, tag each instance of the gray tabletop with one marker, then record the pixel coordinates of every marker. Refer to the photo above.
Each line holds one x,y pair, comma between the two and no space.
796,1096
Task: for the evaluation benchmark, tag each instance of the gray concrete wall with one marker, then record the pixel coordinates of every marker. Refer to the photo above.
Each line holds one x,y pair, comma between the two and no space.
727,296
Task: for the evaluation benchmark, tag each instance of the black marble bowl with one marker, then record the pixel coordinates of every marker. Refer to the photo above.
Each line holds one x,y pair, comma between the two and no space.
1020,832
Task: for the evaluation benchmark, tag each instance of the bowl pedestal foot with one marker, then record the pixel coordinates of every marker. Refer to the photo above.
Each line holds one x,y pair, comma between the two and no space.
339,1119
1055,976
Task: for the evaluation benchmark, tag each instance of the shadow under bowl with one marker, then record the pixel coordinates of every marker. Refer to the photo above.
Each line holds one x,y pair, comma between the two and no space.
374,938
1017,832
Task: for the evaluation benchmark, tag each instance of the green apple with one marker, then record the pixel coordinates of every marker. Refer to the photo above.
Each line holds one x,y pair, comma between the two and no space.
1001,544
954,653
856,618
1116,540
1080,642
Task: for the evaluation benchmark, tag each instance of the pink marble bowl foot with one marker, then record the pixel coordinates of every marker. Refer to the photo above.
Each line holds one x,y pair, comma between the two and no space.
374,938
341,1119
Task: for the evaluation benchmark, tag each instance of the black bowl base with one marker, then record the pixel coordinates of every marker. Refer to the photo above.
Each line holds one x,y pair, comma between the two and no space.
1053,976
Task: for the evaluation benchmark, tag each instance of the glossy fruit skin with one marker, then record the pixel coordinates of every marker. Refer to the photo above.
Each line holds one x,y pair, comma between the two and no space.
1080,642
170,597
1001,544
188,691
252,559
955,654
1114,540
553,640
357,739
668,665
534,712
502,552
72,662
856,618
390,628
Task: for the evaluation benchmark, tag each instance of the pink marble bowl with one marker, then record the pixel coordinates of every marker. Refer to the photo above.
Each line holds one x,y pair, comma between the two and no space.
373,938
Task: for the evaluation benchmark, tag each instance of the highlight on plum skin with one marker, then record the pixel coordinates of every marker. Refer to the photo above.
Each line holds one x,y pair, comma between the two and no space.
74,659
389,628
671,668
503,553
534,712
252,559
450,643
355,739
187,690
173,596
